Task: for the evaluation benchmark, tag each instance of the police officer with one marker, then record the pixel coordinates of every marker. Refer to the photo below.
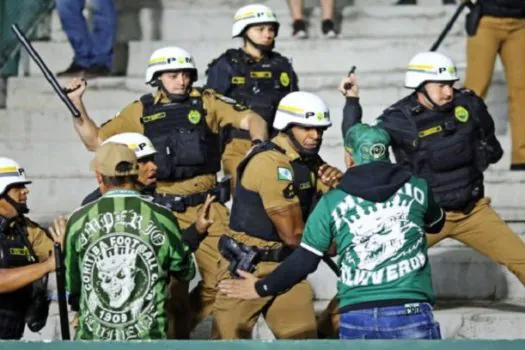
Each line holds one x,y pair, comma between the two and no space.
499,30
378,223
25,250
183,124
254,75
145,152
279,182
446,136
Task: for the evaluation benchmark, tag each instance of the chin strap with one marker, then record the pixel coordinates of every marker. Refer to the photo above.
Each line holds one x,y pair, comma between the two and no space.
300,149
265,49
20,208
174,97
436,107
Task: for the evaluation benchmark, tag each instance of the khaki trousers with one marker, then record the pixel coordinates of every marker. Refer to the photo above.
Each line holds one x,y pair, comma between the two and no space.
289,315
186,311
504,37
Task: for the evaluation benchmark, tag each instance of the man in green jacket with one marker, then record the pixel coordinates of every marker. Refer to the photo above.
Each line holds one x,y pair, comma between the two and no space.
120,251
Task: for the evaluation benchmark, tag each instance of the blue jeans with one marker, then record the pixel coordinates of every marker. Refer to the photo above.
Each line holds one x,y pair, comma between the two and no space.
409,321
95,47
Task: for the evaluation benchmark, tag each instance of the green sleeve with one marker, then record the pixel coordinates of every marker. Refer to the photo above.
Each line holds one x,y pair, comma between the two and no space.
71,259
181,259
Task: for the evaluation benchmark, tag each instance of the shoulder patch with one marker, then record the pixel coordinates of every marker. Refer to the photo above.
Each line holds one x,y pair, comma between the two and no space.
288,191
284,174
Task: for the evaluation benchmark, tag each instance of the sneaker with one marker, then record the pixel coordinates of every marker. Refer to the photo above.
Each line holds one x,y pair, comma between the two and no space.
96,70
299,29
517,167
74,70
407,2
328,29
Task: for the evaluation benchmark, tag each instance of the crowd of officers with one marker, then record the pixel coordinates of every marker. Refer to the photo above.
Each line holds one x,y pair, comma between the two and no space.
159,212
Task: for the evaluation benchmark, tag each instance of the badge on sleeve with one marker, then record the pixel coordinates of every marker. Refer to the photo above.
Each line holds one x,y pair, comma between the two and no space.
284,174
289,191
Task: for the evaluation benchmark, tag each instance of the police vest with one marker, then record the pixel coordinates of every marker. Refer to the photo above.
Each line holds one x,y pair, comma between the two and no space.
248,214
15,251
441,147
503,8
260,85
186,146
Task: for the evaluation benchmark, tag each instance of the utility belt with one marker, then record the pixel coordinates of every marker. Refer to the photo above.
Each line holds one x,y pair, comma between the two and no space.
245,257
179,203
466,208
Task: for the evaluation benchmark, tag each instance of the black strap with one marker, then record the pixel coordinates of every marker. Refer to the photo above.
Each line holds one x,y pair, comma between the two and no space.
240,134
25,238
147,100
273,255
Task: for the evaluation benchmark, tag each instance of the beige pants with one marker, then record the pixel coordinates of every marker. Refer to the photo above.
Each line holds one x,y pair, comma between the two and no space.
289,315
504,37
186,311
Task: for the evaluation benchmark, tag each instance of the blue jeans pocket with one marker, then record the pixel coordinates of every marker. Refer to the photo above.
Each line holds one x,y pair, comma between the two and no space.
430,330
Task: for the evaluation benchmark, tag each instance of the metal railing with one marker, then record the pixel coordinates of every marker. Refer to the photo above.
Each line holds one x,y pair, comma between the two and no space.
27,14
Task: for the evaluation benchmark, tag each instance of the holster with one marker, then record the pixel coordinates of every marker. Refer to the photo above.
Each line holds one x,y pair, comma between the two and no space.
36,314
473,18
240,256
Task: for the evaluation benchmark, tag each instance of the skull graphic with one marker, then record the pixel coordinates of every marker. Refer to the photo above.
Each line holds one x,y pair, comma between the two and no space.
116,273
379,232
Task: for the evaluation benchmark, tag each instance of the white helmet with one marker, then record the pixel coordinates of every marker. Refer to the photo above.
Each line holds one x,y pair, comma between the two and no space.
135,141
302,108
429,66
169,58
11,173
253,14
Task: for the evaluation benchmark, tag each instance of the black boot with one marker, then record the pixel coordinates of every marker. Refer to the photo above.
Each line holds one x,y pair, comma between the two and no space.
407,2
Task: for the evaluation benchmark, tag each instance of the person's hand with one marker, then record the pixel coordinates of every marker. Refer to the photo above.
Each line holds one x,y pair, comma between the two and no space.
75,322
240,288
204,220
329,175
58,230
354,90
77,87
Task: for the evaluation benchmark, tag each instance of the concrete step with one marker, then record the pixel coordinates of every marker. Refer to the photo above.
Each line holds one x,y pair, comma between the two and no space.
378,89
366,19
311,56
457,319
457,273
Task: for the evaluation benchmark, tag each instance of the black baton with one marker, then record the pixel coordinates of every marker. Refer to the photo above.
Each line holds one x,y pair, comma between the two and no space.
45,70
61,290
448,26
